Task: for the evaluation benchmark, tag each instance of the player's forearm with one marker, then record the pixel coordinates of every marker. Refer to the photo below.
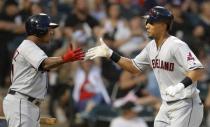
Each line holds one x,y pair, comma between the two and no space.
51,62
69,56
127,65
195,75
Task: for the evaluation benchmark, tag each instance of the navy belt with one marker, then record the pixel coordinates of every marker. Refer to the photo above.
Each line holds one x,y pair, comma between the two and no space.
171,102
29,98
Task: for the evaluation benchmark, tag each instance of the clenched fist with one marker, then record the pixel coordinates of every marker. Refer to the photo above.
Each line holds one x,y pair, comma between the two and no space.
173,90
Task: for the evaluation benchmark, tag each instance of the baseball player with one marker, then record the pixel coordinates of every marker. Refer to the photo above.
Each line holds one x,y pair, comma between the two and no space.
29,73
176,68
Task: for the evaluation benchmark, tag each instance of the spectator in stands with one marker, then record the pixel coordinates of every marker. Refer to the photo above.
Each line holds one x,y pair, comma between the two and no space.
205,19
25,9
204,87
80,37
9,27
36,8
191,9
62,103
115,25
197,40
1,5
181,27
79,16
137,40
132,88
89,89
98,10
129,117
128,82
129,9
107,66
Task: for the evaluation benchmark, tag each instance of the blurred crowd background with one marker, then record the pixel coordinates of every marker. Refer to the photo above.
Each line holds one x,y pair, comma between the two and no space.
99,93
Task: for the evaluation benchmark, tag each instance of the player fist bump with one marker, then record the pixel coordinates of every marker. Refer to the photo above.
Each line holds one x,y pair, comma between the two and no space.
173,90
99,51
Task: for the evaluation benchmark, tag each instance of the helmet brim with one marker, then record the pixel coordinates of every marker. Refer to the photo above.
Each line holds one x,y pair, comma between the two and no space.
149,19
145,16
53,25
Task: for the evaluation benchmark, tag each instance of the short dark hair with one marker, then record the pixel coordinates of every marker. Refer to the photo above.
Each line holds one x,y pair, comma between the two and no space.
10,2
127,106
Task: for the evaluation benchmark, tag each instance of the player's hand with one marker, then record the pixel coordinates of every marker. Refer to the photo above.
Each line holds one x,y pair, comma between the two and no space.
131,97
99,51
73,55
173,90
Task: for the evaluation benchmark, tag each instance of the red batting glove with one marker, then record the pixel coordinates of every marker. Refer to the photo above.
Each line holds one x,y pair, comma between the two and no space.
73,55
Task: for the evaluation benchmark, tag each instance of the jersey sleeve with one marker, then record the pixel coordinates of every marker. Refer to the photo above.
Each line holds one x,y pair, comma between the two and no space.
141,61
186,58
33,54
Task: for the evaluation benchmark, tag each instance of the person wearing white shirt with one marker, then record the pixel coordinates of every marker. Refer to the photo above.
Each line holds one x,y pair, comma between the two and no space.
129,117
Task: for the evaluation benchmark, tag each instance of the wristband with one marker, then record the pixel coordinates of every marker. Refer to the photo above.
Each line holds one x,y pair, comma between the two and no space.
186,81
115,57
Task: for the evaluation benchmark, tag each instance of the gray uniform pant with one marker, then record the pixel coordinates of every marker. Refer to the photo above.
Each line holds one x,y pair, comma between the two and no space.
182,113
20,112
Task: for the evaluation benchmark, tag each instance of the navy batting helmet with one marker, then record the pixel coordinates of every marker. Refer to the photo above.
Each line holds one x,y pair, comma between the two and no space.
39,24
159,14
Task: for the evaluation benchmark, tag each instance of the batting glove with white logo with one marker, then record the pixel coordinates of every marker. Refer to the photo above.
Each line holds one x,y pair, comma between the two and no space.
99,51
173,90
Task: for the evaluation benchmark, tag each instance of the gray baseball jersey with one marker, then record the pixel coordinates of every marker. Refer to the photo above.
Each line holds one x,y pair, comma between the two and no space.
25,76
170,62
